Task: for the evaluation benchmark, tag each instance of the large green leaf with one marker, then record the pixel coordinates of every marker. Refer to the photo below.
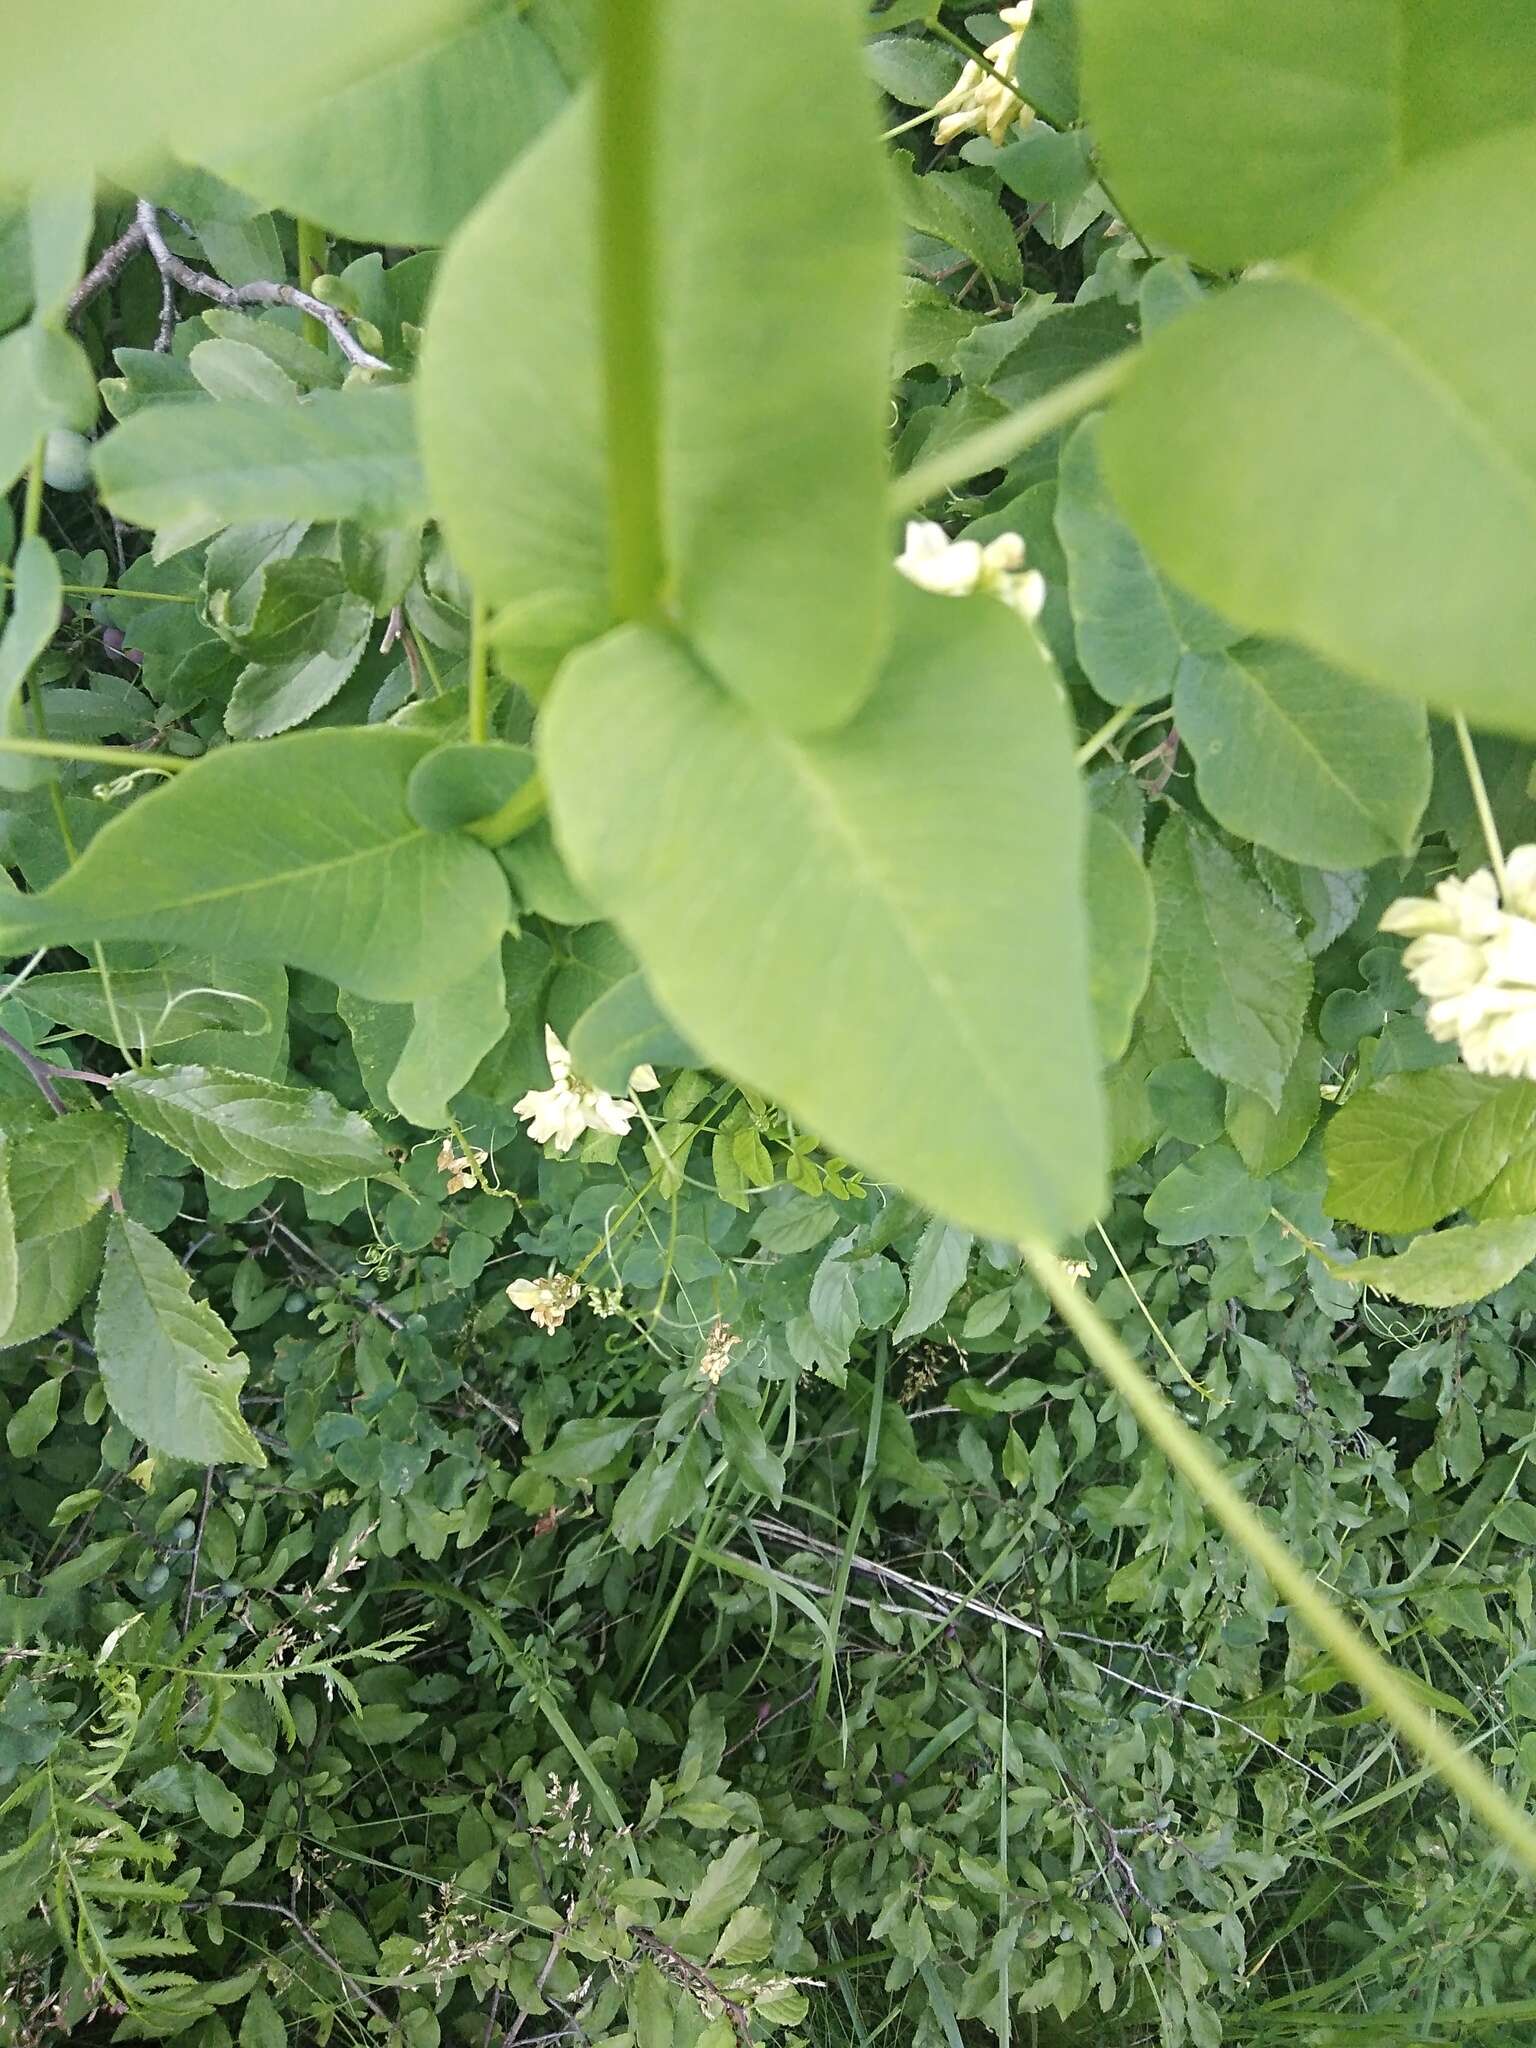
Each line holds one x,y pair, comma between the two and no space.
168,1365
1447,1268
775,338
243,1129
1132,627
1294,755
328,870
405,154
1236,131
338,455
882,929
1227,960
1343,457
1418,1146
45,382
163,73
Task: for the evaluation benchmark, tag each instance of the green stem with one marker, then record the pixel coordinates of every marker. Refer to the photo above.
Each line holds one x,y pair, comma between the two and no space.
123,758
479,674
32,504
993,446
313,255
1480,797
1095,742
1364,1666
524,807
626,149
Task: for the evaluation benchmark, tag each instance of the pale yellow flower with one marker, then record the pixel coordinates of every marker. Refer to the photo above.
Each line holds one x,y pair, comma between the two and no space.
979,102
563,1112
960,568
546,1301
1474,956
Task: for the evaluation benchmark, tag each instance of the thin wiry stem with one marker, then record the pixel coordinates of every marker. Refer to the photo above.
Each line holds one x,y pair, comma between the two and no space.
1485,816
261,292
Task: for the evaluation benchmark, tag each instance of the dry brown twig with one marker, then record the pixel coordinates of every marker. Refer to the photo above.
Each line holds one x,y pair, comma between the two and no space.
261,292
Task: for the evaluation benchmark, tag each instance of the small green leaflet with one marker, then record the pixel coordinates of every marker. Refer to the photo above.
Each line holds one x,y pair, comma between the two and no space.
1228,961
338,455
243,1130
168,1365
332,874
1448,1268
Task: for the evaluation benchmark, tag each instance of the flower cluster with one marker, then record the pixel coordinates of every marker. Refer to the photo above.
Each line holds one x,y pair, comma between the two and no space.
957,568
572,1106
979,101
548,1301
1474,956
460,1169
718,1346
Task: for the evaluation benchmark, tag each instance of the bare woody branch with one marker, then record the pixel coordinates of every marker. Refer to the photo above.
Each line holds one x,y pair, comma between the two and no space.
263,292
108,264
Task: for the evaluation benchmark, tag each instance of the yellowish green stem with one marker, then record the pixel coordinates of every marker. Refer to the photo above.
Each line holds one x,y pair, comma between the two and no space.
313,254
479,674
1480,798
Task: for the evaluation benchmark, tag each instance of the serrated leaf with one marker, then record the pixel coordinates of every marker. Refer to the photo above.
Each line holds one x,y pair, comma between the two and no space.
723,1887
1212,1194
1292,754
335,875
1448,1268
242,1129
1223,446
938,1272
1418,1146
975,1081
748,1937
337,455
1228,961
272,695
53,1275
168,1365
61,1174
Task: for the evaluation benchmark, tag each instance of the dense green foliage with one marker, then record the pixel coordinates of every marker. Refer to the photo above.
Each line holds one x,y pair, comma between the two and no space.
561,1016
